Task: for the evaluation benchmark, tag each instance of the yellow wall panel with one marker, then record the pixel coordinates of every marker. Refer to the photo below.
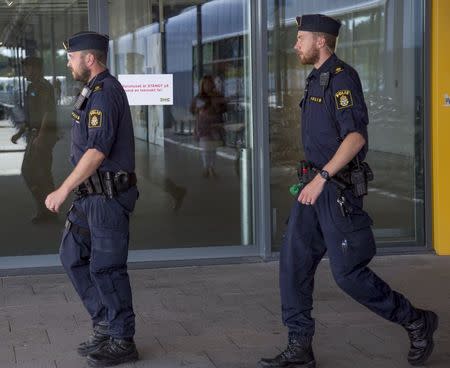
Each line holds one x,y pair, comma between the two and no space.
440,121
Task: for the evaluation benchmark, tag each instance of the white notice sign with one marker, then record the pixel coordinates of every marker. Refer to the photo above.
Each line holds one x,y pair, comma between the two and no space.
148,89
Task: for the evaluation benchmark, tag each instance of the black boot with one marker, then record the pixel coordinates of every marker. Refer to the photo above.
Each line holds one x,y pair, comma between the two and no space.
420,333
98,338
298,354
114,352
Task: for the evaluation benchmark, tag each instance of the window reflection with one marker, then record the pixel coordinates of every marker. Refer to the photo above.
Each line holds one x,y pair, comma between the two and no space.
193,158
36,95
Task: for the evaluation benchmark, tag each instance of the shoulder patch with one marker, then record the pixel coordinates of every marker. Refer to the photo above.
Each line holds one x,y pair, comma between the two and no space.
95,119
338,69
343,99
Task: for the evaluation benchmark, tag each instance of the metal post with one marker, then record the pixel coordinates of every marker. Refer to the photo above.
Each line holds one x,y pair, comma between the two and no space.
245,152
261,123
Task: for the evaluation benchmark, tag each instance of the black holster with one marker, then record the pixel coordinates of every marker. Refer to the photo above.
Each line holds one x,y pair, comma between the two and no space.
107,183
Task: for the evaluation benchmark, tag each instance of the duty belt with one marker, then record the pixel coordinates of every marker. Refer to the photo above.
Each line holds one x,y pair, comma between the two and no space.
107,183
306,172
354,177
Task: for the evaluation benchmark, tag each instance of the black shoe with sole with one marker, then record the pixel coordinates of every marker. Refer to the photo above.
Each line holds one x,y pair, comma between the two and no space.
114,352
420,334
296,355
98,338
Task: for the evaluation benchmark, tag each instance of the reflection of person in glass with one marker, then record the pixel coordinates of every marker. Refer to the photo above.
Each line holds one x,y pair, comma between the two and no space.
40,130
208,107
328,215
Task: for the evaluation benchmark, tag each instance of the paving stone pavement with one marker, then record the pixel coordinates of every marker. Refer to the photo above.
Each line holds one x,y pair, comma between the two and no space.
225,316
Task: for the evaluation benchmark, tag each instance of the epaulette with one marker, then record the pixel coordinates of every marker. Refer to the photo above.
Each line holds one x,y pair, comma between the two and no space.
98,87
338,69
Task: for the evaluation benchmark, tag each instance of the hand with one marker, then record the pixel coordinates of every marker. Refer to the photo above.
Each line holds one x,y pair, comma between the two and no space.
15,137
312,191
55,199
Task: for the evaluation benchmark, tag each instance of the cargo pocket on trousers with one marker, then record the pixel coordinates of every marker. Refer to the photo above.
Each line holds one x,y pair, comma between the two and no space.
357,248
356,218
353,234
110,248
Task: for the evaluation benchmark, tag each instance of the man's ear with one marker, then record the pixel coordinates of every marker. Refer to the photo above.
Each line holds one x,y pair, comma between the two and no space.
90,59
321,41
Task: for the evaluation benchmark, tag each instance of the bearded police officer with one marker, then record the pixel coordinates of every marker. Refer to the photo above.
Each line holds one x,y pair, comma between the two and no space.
328,214
94,246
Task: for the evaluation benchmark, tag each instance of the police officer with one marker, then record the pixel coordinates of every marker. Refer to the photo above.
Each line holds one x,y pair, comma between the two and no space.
40,131
334,133
94,246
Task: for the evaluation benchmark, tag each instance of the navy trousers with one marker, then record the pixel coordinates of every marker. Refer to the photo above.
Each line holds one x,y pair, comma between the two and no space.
96,262
313,230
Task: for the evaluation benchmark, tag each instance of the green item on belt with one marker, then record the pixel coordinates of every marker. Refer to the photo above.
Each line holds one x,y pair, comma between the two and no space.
295,189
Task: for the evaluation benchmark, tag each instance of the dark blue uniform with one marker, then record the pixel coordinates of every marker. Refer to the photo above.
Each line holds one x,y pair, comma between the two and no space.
330,111
95,256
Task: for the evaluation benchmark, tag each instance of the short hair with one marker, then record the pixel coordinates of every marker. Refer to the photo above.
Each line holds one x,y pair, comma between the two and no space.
330,40
99,55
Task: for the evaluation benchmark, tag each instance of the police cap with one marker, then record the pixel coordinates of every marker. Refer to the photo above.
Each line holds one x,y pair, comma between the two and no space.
318,23
87,41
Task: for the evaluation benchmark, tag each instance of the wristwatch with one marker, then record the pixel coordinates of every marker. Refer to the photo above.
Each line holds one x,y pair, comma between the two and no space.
325,174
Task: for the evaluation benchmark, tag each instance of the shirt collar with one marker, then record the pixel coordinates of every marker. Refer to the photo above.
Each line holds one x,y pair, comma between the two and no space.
99,77
102,75
326,66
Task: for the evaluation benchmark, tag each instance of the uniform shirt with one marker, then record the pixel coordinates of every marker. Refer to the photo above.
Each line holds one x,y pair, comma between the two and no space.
330,113
40,100
104,123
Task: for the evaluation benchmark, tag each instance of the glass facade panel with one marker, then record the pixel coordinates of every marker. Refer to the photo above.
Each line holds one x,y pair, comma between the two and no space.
383,41
194,157
36,98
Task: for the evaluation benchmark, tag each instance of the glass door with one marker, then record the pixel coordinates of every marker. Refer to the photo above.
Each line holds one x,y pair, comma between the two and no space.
194,155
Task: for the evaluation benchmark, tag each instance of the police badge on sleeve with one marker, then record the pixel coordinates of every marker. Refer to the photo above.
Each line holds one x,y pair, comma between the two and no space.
95,119
343,99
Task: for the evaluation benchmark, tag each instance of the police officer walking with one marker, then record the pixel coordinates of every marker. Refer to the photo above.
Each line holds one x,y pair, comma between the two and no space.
328,214
94,246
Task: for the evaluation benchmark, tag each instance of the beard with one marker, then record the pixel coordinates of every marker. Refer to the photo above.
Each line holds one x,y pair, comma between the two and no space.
310,58
83,75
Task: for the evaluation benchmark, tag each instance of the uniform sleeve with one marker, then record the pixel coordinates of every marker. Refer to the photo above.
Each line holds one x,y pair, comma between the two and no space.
102,122
349,105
